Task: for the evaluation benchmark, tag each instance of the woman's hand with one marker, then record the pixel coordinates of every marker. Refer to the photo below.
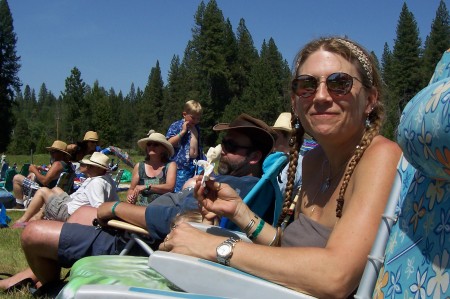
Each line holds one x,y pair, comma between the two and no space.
185,239
131,198
133,194
218,198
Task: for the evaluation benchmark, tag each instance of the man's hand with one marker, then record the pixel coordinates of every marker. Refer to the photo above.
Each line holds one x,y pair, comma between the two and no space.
104,213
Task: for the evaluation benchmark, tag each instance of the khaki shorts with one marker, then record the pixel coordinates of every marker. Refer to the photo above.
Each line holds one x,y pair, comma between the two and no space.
56,207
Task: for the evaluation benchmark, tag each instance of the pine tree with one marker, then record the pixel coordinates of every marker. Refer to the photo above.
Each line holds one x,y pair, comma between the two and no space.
102,114
75,109
174,94
206,60
150,106
405,76
9,68
437,42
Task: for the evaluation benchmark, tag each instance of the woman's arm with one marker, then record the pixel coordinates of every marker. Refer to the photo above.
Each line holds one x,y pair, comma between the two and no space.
333,271
52,174
131,195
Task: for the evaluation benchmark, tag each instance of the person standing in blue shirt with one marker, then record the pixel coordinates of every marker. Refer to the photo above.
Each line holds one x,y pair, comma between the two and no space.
184,135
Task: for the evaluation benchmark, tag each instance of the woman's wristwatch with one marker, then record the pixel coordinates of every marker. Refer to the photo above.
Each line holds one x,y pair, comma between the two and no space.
225,250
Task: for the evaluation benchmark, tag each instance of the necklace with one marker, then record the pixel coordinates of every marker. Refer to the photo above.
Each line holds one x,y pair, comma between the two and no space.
327,182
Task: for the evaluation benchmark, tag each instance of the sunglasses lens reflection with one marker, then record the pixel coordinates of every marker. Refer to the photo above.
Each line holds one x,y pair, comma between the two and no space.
337,83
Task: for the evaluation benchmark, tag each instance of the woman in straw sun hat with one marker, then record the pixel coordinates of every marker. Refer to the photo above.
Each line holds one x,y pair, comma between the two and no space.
85,147
59,160
155,175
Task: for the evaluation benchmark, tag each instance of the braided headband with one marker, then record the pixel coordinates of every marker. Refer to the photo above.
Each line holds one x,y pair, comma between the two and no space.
362,57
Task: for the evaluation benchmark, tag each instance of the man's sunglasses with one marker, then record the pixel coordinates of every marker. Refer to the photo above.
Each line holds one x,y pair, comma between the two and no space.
229,146
338,84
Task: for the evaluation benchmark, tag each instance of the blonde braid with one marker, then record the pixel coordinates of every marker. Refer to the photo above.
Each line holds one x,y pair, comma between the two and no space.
367,138
297,138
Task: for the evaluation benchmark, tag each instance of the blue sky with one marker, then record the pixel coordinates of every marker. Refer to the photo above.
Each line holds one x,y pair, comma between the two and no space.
118,42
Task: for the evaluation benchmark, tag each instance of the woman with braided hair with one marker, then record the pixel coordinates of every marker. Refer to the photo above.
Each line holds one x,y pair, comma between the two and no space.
327,227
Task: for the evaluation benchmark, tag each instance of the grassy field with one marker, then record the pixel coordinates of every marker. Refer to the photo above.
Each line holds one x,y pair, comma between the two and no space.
12,259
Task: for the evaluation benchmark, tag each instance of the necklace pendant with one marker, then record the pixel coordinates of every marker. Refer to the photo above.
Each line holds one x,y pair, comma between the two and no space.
325,185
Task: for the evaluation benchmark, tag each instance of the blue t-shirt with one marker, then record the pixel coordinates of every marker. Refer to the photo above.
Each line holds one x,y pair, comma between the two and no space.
181,155
162,210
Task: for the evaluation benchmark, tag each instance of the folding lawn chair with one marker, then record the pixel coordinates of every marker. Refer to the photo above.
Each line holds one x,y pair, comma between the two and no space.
66,181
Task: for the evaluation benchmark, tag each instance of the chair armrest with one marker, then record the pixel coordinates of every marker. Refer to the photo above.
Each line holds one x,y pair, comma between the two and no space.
127,226
199,276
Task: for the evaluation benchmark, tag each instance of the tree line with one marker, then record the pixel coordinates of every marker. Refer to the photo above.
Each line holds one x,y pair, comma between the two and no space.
220,68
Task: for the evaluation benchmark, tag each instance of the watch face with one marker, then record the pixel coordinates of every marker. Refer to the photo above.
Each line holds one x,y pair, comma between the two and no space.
224,249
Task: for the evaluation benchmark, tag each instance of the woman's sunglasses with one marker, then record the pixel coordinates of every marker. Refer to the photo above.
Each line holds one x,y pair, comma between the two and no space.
338,84
229,146
153,144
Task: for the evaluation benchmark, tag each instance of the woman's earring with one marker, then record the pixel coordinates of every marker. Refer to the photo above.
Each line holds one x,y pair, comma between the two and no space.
368,124
297,123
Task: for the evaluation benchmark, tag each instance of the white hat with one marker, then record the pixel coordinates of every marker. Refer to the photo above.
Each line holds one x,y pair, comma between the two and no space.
283,122
97,159
156,137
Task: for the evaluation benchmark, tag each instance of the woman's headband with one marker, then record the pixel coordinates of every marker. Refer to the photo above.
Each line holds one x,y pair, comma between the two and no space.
362,57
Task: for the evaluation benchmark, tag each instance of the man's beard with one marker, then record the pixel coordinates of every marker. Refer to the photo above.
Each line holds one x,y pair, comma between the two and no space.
236,169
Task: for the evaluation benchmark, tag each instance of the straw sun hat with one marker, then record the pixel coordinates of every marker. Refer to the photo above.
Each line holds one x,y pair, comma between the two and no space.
97,159
60,146
283,122
91,136
156,137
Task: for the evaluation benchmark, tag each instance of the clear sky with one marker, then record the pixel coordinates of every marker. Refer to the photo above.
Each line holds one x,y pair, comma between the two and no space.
118,42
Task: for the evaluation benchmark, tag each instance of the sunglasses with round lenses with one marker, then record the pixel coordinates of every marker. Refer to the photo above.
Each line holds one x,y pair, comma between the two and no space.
229,146
338,84
152,144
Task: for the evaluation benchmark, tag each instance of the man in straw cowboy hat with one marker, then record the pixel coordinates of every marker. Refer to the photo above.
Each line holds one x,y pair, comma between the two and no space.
59,159
99,187
244,147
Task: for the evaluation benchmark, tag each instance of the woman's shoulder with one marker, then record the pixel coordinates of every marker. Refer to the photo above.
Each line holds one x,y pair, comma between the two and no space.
381,147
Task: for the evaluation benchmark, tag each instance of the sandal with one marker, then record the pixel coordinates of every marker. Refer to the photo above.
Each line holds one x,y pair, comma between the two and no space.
25,283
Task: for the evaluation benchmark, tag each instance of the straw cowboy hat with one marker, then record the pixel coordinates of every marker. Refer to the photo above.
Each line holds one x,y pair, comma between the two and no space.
58,145
156,137
97,159
261,135
91,136
283,122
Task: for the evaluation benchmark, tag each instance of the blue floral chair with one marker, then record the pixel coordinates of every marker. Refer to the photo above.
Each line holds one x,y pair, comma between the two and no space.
415,261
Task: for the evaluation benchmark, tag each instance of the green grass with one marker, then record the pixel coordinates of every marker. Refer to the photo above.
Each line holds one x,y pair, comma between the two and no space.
12,258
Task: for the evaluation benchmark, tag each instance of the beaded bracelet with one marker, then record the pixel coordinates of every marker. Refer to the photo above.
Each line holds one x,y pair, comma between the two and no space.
258,229
113,209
